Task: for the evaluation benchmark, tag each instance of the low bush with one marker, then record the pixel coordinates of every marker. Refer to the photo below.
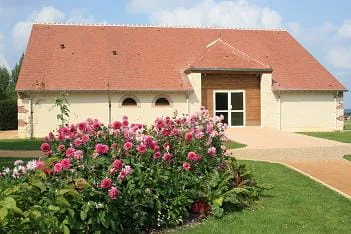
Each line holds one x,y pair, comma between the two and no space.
125,178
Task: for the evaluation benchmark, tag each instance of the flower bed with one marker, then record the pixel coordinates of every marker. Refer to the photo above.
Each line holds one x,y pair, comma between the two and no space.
126,178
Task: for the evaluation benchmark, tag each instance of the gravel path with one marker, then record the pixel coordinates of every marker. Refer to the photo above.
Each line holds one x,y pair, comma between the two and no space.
21,154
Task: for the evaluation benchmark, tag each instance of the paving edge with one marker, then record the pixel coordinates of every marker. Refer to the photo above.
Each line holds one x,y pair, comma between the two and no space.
305,174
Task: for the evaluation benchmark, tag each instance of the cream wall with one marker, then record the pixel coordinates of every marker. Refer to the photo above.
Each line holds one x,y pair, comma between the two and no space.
270,103
95,105
309,111
195,96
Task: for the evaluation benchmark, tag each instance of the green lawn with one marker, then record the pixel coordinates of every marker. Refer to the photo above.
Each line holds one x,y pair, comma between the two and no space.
347,125
296,204
347,157
344,136
234,145
20,144
8,161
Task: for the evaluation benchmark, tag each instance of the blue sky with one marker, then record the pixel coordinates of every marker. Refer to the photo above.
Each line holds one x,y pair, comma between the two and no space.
322,27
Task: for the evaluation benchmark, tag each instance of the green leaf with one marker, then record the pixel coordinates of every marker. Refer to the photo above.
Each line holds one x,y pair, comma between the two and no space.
72,192
84,212
62,201
218,202
53,208
38,184
66,230
3,213
8,202
12,190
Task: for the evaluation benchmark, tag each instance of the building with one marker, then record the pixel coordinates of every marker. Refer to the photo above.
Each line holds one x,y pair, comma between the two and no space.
254,77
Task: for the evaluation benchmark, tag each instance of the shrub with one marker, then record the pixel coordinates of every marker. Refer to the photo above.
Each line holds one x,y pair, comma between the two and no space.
8,114
126,178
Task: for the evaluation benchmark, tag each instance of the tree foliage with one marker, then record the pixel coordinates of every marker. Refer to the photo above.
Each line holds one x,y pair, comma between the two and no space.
4,82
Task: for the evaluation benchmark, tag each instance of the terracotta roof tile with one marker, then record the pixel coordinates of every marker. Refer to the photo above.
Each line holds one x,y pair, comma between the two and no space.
154,58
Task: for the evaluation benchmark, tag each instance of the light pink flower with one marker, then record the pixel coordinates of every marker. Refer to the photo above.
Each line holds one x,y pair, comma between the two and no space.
78,155
113,193
128,145
211,151
192,156
101,149
105,183
58,167
78,142
186,166
117,164
66,163
45,147
40,164
70,152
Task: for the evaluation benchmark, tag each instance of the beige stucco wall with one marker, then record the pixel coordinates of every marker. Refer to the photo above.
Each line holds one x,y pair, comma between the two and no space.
95,105
270,104
340,111
309,111
195,96
146,112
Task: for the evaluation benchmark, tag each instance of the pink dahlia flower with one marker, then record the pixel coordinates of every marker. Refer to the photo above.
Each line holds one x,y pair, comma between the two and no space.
113,193
66,163
105,183
58,167
186,166
128,145
78,155
167,156
101,149
192,156
117,164
45,147
70,152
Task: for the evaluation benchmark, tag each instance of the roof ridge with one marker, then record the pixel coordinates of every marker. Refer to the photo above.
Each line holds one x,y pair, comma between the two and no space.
243,53
159,26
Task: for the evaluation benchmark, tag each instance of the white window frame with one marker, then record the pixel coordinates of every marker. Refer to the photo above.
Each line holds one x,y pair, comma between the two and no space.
229,111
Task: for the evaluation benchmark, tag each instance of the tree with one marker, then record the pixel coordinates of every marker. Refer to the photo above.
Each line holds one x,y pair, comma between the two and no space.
4,82
16,71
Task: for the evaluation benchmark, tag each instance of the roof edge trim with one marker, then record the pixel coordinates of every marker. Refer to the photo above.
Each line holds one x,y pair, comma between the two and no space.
200,69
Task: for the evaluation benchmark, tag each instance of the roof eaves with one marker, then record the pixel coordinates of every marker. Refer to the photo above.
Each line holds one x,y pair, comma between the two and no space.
202,69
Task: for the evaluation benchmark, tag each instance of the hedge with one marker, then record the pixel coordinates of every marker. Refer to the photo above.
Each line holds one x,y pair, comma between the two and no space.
8,115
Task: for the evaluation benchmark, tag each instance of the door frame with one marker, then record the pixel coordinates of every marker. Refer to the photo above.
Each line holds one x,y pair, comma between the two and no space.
229,91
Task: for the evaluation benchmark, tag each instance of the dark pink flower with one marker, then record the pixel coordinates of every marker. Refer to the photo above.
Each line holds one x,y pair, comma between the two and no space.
61,148
58,167
192,156
125,123
70,152
66,163
101,149
167,156
82,126
128,145
96,125
188,136
141,148
85,138
45,147
159,123
157,155
186,166
116,125
113,192
78,142
105,183
117,164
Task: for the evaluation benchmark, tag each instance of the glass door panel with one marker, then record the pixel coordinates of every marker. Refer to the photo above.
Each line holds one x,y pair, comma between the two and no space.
237,101
221,100
237,119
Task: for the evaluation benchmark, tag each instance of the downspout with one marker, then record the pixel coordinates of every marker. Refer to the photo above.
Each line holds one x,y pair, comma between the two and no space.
109,101
31,125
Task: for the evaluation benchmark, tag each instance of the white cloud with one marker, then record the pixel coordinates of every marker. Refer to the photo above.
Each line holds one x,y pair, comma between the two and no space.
3,61
21,30
240,13
340,56
345,30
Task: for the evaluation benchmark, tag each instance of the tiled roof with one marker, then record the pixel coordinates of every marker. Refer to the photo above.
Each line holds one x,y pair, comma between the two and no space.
98,57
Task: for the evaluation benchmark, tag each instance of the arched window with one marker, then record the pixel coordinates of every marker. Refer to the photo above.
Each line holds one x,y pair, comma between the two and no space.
129,102
161,102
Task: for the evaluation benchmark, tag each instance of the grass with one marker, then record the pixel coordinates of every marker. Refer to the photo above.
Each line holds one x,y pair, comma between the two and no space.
20,144
234,145
8,161
347,157
296,204
334,136
347,125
